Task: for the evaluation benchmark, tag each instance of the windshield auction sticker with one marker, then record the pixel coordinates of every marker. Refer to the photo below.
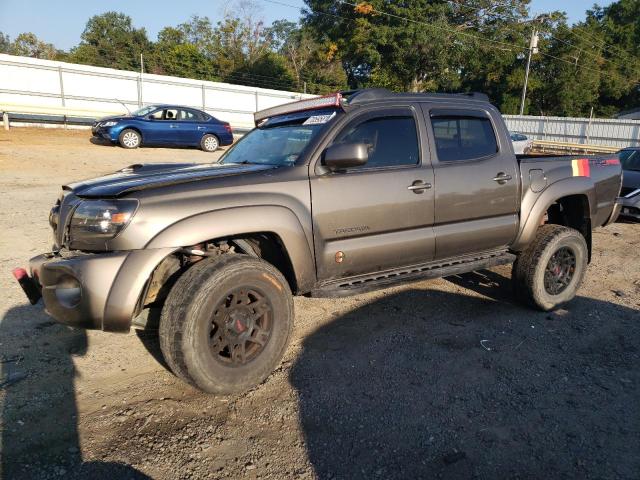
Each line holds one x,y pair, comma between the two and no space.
319,119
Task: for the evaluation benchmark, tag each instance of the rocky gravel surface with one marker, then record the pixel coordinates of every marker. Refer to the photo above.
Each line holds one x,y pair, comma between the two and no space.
439,379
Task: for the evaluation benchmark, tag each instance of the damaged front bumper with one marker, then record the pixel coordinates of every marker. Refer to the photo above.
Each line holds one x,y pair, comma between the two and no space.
93,290
75,287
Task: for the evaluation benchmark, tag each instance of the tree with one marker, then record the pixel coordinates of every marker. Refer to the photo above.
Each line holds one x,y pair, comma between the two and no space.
421,45
312,63
174,55
28,45
615,30
199,32
5,43
268,71
171,36
110,40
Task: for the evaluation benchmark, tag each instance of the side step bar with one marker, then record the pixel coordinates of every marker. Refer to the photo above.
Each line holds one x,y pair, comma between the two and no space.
442,268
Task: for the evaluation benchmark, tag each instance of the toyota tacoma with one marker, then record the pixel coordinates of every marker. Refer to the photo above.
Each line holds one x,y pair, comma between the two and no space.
326,197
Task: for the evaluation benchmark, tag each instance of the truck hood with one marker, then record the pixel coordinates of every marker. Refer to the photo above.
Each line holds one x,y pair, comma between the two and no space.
144,176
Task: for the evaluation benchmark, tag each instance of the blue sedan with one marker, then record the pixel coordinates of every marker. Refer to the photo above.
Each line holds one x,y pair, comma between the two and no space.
165,125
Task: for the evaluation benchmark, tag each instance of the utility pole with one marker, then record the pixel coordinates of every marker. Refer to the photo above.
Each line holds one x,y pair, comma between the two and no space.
533,49
141,79
589,125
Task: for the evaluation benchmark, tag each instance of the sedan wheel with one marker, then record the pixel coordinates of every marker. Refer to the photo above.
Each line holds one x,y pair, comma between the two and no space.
209,143
129,139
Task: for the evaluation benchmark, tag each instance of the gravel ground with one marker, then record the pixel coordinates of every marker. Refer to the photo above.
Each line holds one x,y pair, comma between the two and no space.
439,379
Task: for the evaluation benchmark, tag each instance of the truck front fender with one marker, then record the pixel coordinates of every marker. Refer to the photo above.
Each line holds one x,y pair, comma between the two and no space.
535,205
238,221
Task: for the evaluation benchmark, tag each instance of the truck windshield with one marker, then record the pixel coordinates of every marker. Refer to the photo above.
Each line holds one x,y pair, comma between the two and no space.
630,160
280,140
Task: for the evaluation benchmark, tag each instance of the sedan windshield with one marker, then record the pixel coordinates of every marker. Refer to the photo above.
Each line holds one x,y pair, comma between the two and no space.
143,111
280,140
630,160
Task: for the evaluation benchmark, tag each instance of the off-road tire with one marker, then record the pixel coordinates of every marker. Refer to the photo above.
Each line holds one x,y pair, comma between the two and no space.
126,136
187,315
528,272
209,143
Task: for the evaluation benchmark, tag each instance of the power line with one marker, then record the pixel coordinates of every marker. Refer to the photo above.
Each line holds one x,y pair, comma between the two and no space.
604,46
438,27
575,64
634,68
475,36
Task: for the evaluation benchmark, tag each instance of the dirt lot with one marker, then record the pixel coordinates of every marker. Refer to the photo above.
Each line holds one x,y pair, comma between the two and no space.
440,379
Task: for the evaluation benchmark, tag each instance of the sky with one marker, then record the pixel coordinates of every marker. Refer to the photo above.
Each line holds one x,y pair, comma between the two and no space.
61,22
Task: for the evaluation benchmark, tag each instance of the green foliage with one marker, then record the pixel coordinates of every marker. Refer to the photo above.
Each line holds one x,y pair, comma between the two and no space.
110,40
422,45
28,45
481,45
314,64
5,43
269,70
182,60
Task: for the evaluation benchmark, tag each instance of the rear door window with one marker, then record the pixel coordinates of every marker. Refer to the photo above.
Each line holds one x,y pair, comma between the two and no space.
464,136
186,115
190,115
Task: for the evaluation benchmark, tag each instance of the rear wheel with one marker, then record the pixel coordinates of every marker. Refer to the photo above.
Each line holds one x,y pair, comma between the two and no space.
129,138
549,272
209,143
226,323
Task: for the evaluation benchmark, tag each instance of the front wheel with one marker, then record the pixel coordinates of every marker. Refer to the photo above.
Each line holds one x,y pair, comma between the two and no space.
549,272
129,138
226,323
209,143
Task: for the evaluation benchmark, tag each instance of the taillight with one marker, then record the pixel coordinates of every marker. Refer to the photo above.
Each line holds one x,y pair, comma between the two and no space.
227,127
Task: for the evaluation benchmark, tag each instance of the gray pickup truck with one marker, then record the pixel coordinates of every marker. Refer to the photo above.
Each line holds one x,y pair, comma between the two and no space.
326,197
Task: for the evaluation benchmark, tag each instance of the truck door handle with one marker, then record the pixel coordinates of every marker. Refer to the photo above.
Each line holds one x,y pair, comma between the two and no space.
202,128
173,126
419,186
502,178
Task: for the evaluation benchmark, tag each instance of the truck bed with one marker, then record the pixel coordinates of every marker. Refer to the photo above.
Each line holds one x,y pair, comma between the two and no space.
602,172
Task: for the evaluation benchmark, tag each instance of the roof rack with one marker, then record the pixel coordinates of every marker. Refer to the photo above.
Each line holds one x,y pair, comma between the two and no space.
333,100
354,97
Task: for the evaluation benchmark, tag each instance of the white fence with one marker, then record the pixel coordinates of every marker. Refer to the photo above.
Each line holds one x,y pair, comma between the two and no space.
33,86
43,87
598,131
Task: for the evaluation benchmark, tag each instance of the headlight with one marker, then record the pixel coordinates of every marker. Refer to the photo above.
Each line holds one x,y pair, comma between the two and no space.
109,124
97,220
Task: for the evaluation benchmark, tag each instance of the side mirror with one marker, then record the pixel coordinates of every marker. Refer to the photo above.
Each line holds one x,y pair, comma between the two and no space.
345,155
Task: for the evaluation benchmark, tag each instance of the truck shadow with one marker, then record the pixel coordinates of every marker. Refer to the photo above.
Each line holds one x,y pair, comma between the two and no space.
431,384
39,434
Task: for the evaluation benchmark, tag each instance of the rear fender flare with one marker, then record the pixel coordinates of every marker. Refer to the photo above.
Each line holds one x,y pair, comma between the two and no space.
537,205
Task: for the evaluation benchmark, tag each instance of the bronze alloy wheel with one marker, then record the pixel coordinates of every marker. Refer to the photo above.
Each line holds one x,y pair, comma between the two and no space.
240,327
559,271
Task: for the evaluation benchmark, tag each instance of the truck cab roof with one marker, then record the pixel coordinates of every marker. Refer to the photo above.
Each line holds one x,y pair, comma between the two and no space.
367,96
